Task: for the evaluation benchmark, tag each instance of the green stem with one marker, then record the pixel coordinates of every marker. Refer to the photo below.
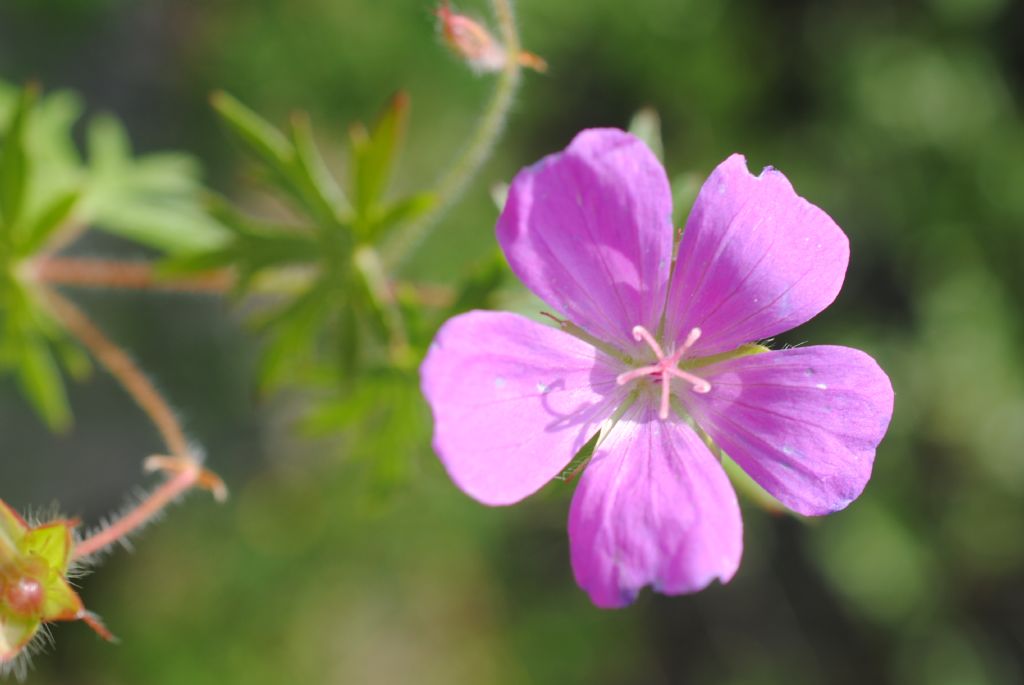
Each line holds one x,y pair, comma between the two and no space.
367,261
482,143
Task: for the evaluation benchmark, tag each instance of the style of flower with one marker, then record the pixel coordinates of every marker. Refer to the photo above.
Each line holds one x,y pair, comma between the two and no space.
655,356
34,589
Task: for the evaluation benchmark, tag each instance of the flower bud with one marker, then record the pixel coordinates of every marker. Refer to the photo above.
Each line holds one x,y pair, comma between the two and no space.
474,44
34,564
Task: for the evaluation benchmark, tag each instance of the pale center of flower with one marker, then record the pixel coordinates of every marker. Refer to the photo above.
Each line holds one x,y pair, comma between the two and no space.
665,367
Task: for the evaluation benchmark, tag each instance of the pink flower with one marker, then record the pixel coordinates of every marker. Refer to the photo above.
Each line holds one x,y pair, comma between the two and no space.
655,358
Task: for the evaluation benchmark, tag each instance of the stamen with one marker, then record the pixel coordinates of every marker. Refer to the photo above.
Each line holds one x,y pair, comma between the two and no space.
699,384
624,378
641,333
666,368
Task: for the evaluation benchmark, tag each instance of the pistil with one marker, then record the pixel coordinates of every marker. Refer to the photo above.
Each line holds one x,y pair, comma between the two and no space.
666,367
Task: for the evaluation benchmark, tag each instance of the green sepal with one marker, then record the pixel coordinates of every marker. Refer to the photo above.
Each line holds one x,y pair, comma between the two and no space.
747,487
579,460
744,350
15,633
61,602
14,162
646,125
12,530
374,154
51,543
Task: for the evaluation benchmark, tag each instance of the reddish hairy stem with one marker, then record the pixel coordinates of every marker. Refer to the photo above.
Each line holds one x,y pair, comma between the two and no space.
170,490
112,273
121,367
186,469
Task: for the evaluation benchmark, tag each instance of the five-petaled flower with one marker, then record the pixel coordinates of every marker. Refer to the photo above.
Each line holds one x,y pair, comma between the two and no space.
655,355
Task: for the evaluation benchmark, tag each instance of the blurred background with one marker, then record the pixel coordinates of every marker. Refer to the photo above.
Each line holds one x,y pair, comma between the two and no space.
346,555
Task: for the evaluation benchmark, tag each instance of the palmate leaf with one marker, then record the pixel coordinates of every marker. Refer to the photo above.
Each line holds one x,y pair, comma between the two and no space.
45,186
351,297
153,199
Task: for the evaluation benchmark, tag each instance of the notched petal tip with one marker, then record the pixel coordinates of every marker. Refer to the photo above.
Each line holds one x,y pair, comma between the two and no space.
653,508
756,259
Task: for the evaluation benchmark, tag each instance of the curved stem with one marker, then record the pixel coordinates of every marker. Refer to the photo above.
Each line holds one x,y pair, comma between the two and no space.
121,367
492,123
189,475
183,464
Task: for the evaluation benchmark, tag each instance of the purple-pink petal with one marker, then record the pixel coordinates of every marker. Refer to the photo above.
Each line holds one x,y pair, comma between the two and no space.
589,231
804,422
653,507
513,401
756,259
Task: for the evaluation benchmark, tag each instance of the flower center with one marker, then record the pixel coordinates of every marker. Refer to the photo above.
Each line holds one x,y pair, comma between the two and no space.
665,367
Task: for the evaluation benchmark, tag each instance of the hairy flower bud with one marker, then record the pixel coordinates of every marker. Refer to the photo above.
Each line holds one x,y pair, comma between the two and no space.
473,43
34,590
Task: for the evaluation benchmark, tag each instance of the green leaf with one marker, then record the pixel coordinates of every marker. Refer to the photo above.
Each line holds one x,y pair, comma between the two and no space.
401,211
154,200
374,154
55,215
744,350
646,125
40,380
13,162
255,132
478,289
73,358
320,189
294,329
251,247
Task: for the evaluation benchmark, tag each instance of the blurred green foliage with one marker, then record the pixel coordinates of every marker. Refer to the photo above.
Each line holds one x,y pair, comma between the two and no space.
48,194
347,556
